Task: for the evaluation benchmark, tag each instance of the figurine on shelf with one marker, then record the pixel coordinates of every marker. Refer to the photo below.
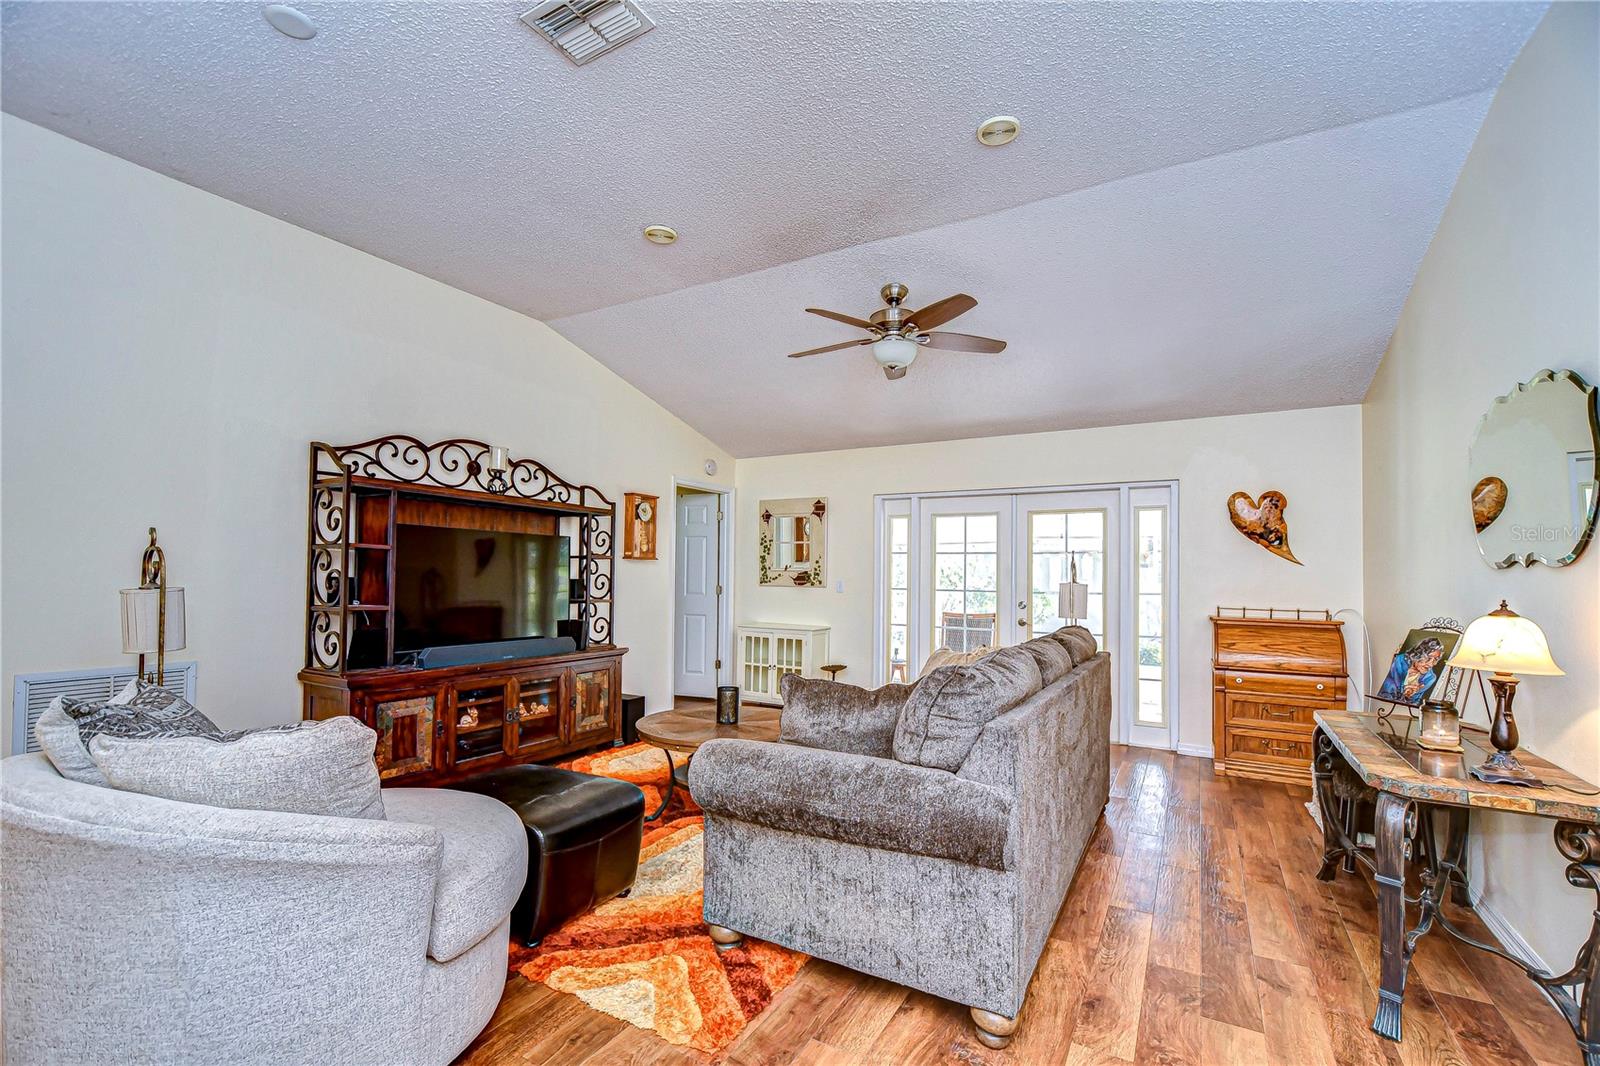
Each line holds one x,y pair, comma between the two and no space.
468,719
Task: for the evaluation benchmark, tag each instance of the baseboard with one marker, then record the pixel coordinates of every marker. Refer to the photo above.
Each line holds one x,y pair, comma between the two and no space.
1507,934
1203,751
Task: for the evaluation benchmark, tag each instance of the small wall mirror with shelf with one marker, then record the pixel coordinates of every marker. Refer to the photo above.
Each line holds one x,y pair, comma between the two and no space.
793,540
1532,470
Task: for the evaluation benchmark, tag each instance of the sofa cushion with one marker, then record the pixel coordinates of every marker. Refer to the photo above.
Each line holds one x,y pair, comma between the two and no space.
1052,656
1077,640
482,866
323,768
839,717
67,726
854,799
949,707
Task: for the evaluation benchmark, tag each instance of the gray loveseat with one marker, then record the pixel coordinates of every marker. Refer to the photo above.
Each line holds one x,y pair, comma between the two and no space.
943,877
142,930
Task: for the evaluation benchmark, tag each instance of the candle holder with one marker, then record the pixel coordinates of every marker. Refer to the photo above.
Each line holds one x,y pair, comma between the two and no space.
1441,726
727,704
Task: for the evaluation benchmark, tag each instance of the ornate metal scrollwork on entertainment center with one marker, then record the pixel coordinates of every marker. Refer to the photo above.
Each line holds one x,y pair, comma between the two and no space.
354,489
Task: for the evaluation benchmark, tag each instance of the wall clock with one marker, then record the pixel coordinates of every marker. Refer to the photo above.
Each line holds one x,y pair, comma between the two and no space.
638,526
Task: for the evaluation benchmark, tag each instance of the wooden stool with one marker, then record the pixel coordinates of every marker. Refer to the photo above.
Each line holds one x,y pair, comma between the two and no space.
833,670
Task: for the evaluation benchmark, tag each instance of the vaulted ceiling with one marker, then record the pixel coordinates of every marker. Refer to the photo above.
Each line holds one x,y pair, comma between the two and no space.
1211,209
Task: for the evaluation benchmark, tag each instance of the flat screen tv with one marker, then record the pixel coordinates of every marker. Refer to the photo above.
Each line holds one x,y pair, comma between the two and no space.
472,586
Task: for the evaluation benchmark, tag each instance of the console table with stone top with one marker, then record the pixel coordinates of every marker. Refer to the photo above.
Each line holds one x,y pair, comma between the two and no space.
1408,786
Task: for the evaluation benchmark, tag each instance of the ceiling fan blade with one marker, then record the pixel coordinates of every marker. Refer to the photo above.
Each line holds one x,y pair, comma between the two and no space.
937,314
965,342
846,319
895,373
831,348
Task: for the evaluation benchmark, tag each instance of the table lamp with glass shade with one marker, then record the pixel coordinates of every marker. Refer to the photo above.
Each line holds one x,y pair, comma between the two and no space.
1503,644
152,615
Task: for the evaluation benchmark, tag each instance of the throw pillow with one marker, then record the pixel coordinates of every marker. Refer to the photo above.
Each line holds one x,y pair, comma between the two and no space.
839,717
947,657
321,768
69,724
949,707
1053,657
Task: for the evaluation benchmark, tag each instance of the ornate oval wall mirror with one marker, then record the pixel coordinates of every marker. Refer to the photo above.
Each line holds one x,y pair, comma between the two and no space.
1532,470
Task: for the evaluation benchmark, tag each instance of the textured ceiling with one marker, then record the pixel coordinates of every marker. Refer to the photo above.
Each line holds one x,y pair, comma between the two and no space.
1161,254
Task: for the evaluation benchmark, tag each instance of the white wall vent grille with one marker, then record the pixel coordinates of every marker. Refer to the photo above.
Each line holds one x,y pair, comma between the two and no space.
588,29
32,694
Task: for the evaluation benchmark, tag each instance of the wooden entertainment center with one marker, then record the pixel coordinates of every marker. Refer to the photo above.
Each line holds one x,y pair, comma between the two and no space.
439,724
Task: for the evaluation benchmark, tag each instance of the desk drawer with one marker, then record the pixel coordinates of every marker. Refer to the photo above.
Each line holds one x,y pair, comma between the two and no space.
1267,748
1259,711
1319,688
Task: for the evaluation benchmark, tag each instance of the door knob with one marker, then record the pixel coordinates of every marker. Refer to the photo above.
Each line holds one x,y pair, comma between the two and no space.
1023,622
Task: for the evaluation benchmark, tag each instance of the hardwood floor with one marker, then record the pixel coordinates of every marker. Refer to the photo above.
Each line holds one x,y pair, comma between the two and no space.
1195,932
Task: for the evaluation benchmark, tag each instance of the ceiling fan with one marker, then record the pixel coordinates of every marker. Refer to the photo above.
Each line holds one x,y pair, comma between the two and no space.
896,332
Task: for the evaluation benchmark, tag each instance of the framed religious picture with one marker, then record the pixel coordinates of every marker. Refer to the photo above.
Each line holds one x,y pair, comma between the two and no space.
1418,666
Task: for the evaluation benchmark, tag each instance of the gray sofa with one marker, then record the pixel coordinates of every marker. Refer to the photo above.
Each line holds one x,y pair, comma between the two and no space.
141,930
946,880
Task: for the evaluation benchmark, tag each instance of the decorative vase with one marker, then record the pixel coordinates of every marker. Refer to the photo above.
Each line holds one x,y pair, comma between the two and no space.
727,704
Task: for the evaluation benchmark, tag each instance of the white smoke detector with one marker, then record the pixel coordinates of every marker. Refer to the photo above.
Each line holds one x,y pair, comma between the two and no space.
587,29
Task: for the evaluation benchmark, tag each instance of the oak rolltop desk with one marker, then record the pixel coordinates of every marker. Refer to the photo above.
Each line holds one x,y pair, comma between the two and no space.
1272,670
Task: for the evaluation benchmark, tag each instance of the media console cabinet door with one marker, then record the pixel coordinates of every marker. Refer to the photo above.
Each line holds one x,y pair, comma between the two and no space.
405,730
535,719
595,692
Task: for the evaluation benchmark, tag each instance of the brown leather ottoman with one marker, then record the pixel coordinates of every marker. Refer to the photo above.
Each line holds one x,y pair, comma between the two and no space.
583,840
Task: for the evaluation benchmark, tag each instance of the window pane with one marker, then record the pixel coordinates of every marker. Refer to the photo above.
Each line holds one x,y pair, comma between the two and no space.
1150,711
951,603
1150,610
1049,531
1149,652
897,608
897,572
949,532
981,572
982,532
949,570
981,603
899,533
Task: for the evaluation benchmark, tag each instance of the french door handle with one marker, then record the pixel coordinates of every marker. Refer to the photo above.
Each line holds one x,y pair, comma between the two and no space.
1023,622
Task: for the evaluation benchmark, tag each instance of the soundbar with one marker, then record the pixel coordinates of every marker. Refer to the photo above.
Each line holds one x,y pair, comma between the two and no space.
494,651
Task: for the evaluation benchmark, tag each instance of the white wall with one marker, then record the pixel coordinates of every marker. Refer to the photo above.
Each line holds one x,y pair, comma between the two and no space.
168,355
1314,457
1510,285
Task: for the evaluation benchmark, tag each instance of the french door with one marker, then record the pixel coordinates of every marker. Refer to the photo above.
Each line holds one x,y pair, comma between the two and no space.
986,570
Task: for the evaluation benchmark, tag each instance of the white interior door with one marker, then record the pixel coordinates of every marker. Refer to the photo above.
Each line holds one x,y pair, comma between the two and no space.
695,607
965,575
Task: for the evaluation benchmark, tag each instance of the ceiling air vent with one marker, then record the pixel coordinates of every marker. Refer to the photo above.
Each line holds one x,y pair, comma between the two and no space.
587,29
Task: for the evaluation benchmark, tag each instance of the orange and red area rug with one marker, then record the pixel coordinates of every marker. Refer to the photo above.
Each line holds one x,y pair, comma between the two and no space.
647,959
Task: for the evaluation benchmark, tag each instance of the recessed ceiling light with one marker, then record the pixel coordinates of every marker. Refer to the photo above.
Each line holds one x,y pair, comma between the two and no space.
289,22
660,234
1002,129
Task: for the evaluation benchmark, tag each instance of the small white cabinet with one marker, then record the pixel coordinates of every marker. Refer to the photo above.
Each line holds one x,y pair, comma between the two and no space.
767,652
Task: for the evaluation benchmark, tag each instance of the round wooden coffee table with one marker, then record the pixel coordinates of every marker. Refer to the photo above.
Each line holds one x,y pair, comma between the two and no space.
683,731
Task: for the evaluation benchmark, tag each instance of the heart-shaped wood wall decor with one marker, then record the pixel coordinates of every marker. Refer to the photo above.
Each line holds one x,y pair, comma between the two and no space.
1263,522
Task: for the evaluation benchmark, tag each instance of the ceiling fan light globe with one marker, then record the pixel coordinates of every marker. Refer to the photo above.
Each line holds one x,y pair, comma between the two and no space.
894,352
